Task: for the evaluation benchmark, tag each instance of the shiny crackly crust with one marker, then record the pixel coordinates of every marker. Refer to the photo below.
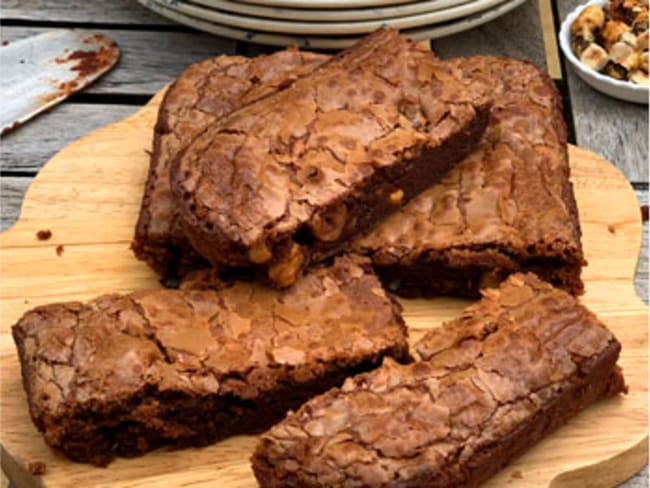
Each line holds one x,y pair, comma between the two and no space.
123,374
507,207
490,384
201,94
327,151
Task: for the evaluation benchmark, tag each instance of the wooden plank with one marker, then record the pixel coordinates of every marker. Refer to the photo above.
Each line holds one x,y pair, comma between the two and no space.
32,145
616,130
12,191
517,34
89,194
148,59
114,11
550,39
641,278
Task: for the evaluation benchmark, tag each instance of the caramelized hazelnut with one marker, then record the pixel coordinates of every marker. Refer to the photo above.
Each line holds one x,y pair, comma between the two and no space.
285,272
328,225
260,253
396,196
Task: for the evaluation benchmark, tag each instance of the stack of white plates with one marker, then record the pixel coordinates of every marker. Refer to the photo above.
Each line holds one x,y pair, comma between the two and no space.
328,24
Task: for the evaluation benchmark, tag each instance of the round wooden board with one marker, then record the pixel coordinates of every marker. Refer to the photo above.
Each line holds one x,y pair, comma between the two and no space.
89,195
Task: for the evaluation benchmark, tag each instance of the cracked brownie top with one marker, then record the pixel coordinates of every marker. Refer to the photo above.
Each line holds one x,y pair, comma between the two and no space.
263,172
201,94
481,377
240,340
512,194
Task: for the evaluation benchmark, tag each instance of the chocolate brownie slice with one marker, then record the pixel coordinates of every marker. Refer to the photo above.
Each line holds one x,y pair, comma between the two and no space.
121,375
292,178
507,207
202,93
490,384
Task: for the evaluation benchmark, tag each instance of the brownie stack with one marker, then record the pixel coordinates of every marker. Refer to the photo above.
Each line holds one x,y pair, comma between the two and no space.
278,187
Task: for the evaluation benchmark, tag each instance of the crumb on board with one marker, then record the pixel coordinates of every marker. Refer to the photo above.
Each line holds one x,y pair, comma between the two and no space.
611,229
44,234
517,475
644,213
59,250
37,468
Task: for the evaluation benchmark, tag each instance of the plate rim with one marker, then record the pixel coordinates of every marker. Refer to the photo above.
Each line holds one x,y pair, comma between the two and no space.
261,37
329,4
330,28
323,15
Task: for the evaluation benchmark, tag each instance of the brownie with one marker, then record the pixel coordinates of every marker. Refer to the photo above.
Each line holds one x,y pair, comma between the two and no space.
202,93
508,207
516,365
291,178
121,375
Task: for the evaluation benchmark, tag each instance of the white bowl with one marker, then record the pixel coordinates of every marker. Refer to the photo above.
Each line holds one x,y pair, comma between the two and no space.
624,90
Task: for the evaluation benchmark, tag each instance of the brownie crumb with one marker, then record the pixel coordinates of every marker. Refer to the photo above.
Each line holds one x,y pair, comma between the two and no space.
37,468
59,250
644,213
611,229
517,475
44,234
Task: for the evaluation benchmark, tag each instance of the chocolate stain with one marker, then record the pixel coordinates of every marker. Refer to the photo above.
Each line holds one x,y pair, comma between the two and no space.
87,63
13,126
44,234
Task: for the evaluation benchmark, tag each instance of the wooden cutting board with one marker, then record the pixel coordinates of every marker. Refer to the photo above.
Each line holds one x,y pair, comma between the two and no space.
89,195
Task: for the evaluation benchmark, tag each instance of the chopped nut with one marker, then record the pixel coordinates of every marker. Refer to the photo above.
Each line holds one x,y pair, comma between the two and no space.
640,23
612,33
642,41
590,20
328,225
285,272
624,55
594,57
396,196
626,10
639,77
260,253
628,38
615,71
578,45
643,61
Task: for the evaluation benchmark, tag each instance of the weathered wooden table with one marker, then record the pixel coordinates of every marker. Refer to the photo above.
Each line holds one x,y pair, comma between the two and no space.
154,50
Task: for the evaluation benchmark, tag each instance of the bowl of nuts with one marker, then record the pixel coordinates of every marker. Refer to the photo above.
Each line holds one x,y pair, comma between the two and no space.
606,42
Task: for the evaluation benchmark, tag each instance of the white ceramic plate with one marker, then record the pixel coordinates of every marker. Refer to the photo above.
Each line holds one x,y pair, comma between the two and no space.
333,4
312,42
623,90
327,28
330,15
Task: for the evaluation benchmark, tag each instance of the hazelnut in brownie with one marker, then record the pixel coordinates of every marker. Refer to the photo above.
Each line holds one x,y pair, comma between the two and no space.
291,178
513,367
123,374
201,94
508,207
